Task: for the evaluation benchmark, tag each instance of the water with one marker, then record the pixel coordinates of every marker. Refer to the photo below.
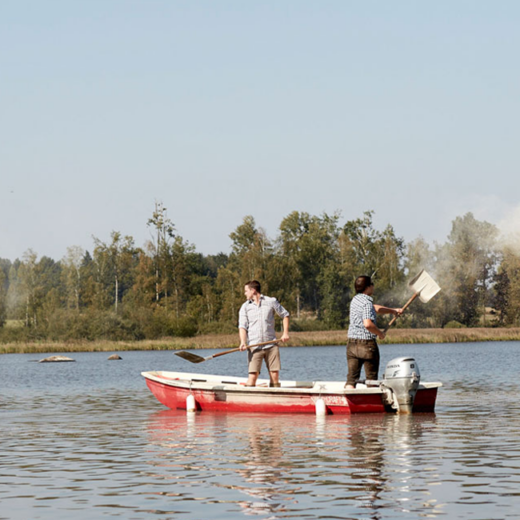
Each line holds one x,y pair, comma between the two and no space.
87,440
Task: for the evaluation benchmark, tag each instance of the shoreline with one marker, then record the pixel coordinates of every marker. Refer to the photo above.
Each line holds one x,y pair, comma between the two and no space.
298,339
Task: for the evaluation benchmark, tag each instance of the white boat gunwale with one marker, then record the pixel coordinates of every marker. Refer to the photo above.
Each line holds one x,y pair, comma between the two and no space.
207,382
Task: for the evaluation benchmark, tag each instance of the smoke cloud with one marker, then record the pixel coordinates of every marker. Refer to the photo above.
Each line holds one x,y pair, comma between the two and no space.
509,228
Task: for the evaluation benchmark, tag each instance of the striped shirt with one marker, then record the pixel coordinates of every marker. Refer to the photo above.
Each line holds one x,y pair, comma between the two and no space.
361,308
258,320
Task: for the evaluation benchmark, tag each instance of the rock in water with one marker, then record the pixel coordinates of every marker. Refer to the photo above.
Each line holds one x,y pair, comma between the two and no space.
55,359
115,356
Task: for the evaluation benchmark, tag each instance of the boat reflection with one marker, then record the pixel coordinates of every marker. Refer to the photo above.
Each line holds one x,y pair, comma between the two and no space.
276,461
263,468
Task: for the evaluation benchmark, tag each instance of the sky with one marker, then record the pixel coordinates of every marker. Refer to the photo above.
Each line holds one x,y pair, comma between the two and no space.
222,109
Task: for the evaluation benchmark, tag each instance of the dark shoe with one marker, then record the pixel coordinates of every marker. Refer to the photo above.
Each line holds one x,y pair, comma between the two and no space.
275,385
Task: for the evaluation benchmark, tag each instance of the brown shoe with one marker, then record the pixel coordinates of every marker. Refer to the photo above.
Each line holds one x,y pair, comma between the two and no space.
275,385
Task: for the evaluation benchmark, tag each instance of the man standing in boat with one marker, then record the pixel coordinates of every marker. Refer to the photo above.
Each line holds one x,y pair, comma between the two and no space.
256,325
362,348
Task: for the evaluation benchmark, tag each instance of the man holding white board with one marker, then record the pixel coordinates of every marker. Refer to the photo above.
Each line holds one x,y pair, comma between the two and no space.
362,348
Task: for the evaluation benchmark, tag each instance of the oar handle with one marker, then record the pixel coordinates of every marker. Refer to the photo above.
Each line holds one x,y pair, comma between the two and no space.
393,320
249,347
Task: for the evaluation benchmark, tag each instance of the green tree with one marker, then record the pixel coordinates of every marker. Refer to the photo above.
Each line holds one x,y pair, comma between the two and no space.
91,289
309,245
181,267
204,305
230,292
334,296
375,253
251,251
115,262
49,289
143,293
163,233
210,264
362,245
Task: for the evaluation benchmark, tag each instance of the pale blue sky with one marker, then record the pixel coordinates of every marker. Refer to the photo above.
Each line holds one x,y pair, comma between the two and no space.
221,109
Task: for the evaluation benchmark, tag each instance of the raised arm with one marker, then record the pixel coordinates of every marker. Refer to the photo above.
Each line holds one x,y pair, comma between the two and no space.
381,309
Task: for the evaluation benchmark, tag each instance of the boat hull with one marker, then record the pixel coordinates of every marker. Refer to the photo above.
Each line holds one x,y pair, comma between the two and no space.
221,393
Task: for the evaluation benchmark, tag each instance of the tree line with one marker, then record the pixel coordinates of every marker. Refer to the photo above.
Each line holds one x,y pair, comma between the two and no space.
166,288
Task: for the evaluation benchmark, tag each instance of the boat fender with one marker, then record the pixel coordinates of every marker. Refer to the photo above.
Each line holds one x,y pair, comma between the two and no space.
190,404
321,409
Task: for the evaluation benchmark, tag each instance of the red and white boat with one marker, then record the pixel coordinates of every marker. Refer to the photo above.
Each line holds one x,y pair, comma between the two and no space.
181,390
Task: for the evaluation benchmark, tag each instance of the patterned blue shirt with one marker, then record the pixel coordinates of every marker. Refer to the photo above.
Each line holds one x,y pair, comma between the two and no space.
258,320
361,308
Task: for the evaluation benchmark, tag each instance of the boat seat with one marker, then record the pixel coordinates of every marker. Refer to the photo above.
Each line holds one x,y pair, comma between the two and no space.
304,384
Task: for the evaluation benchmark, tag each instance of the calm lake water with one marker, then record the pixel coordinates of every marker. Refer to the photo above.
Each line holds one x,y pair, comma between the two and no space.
87,440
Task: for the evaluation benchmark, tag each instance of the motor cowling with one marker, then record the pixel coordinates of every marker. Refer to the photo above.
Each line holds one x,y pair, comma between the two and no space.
402,377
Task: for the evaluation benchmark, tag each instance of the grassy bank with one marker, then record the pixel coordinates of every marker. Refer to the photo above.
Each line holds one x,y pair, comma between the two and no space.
298,339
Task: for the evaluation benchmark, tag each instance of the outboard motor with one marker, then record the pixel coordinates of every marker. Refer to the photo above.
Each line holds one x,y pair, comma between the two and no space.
402,376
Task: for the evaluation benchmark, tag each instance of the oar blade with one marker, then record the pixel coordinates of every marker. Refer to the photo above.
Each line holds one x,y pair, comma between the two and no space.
192,358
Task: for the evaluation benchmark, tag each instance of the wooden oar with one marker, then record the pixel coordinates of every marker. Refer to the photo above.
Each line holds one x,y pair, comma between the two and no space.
193,358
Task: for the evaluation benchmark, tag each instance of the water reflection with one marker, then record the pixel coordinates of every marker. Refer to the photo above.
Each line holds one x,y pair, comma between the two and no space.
282,463
263,468
367,460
